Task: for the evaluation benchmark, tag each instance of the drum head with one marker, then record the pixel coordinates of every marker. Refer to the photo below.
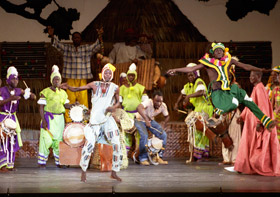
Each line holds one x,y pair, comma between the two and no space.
156,143
76,113
73,135
9,123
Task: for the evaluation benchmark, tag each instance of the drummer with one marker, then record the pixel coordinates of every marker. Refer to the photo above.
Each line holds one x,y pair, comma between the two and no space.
53,101
9,102
147,110
194,95
105,99
131,95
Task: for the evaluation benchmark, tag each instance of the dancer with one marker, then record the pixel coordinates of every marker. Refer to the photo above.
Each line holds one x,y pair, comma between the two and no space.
105,99
225,96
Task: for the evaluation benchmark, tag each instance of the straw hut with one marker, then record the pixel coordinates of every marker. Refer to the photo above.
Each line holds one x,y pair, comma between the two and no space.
160,18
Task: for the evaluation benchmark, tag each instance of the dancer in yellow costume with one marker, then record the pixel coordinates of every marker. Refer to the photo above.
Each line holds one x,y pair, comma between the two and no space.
132,94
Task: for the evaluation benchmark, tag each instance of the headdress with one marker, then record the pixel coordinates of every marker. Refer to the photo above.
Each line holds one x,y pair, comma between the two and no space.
196,72
55,73
12,73
107,67
218,45
132,70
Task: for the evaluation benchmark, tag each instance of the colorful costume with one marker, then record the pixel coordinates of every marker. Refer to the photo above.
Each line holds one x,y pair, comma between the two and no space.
131,98
54,110
275,93
229,96
8,110
102,124
77,69
54,115
259,151
10,143
201,143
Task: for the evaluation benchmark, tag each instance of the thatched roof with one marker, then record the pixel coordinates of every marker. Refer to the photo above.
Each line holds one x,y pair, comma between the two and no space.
160,18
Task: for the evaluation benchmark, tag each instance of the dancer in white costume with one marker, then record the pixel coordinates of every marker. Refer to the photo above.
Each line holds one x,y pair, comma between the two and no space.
105,99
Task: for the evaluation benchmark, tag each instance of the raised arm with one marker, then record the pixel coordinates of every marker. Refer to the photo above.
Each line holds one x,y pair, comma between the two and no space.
248,67
185,69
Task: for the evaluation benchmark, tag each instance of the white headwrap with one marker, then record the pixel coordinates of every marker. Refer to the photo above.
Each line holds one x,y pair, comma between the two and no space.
55,73
192,65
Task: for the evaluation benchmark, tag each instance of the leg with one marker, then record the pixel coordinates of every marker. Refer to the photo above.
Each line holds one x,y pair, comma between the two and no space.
44,146
141,127
3,160
91,134
248,102
56,127
112,134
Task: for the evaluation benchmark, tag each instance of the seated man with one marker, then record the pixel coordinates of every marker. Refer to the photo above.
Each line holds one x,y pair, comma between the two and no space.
147,110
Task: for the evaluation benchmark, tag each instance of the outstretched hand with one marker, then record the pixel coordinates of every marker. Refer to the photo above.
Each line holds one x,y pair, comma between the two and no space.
171,72
64,86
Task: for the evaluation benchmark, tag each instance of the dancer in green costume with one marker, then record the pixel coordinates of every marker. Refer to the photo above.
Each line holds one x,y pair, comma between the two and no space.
132,95
53,102
224,95
194,92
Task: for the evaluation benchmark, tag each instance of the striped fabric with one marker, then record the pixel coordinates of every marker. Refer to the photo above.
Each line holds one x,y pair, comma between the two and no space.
77,62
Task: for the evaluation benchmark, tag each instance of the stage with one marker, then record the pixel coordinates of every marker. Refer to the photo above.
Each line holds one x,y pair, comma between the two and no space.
176,178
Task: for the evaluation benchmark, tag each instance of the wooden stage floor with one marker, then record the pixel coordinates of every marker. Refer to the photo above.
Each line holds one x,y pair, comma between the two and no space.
175,179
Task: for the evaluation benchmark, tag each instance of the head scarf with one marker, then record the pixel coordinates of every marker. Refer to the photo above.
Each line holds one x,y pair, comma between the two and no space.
55,73
107,67
132,70
12,73
196,73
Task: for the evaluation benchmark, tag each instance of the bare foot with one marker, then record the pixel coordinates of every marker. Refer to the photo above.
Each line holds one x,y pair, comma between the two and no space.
3,170
84,177
115,176
272,125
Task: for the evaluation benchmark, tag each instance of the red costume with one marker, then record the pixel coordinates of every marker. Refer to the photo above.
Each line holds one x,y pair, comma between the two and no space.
258,152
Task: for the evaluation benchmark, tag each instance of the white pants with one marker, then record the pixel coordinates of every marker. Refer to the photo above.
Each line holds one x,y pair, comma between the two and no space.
110,129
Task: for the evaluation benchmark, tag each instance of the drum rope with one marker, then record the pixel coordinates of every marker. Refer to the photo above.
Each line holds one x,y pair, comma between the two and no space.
10,134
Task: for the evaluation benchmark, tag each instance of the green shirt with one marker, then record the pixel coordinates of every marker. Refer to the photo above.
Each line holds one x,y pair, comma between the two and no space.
55,100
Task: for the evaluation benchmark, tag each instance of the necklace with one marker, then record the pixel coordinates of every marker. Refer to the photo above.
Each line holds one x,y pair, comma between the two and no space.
104,87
